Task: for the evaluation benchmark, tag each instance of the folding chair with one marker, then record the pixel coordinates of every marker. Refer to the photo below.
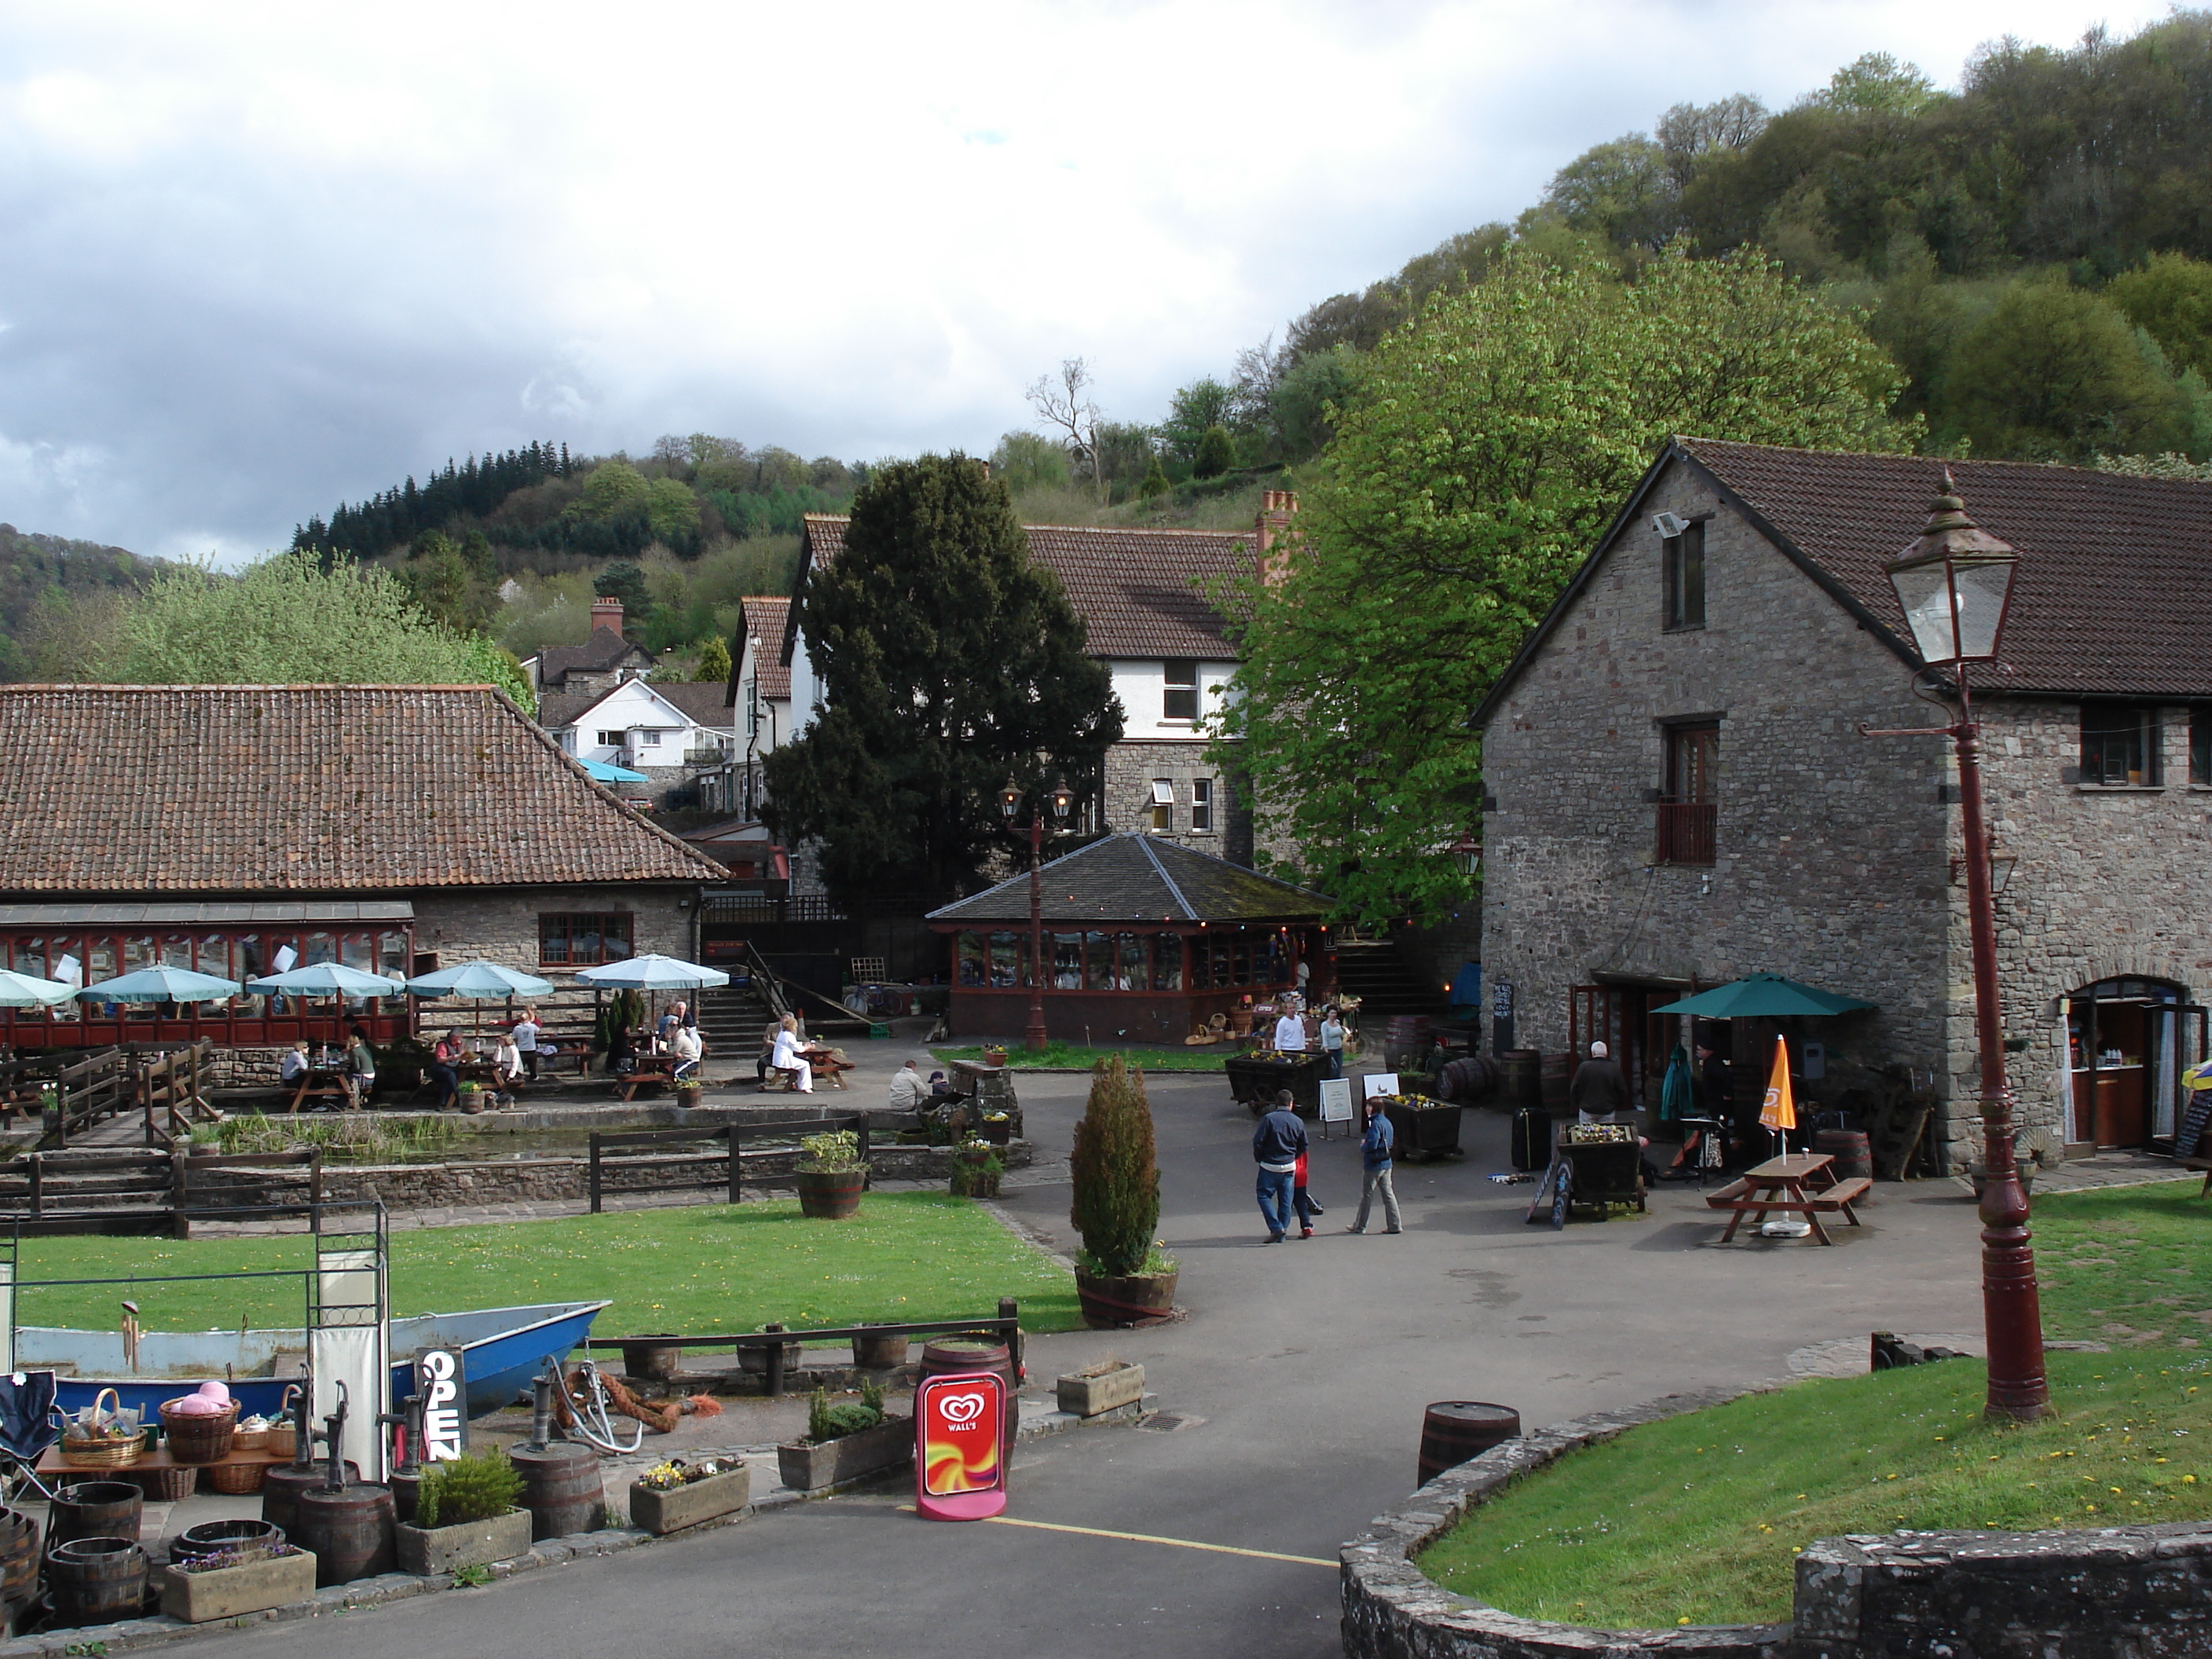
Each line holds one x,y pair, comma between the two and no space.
29,1423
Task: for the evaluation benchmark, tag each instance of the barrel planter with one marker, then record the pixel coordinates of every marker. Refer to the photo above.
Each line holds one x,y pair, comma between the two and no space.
662,1510
1109,1301
753,1361
94,1509
561,1488
656,1357
424,1551
1454,1431
214,1537
349,1530
830,1195
1850,1149
233,1592
281,1486
811,1465
96,1581
878,1352
19,1558
952,1356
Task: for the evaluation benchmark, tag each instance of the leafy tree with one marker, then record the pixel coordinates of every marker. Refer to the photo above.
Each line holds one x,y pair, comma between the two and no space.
611,488
1114,1172
1028,461
714,663
1487,446
1624,192
1877,82
441,578
672,510
1155,481
2170,297
947,660
625,582
1204,403
1307,395
1217,454
287,620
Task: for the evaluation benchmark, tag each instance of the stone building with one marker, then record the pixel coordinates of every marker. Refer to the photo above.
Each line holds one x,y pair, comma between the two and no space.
602,662
1679,792
242,831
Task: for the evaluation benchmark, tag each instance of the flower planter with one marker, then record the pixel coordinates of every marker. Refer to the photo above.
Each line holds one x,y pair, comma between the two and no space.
424,1552
878,1352
997,1128
648,1355
201,1598
1128,1299
1101,1387
687,1095
830,1195
660,1512
807,1466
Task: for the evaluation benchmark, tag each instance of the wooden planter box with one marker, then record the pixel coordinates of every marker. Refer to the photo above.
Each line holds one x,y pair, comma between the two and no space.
663,1512
806,1467
470,1544
1101,1387
1253,1082
200,1598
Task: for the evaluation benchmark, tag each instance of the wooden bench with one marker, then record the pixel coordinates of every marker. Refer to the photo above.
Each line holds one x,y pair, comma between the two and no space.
660,1069
1800,1184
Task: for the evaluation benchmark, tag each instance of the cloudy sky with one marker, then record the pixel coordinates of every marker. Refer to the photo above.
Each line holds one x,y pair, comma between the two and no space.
256,258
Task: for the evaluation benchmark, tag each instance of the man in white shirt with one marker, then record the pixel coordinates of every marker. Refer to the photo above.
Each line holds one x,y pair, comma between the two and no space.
909,1092
1290,1034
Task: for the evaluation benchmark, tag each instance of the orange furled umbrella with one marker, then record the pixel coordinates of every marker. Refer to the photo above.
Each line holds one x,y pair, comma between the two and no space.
1779,1110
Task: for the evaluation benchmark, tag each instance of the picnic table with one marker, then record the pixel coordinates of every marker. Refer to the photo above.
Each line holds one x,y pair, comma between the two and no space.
1797,1183
651,1068
317,1082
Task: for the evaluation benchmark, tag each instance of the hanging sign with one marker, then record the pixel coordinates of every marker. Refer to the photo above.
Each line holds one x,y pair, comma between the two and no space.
440,1378
959,1466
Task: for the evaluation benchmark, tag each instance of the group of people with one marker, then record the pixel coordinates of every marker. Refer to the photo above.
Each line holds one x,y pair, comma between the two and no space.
356,1069
1279,1147
912,1092
1293,1037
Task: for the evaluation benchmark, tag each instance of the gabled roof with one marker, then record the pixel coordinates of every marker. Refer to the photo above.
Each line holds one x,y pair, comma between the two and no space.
1136,590
305,788
763,618
2112,595
1133,877
603,652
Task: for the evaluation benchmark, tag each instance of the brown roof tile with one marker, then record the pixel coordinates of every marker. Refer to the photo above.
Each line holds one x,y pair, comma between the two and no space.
707,701
605,651
303,788
1133,877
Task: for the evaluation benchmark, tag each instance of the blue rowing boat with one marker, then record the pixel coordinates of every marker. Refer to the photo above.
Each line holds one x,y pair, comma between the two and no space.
501,1349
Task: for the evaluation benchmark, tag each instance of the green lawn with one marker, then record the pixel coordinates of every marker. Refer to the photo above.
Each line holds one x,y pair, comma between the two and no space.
1698,1519
1074,1056
691,1271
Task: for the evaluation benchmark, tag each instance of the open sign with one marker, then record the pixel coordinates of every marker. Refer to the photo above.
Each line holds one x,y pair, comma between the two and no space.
959,1468
440,1380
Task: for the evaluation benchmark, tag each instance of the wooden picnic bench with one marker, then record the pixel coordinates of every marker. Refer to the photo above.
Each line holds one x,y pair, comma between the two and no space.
317,1082
1799,1183
651,1068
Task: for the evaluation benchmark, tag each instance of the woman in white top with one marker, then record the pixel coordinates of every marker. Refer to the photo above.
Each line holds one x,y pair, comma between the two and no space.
688,1049
788,1058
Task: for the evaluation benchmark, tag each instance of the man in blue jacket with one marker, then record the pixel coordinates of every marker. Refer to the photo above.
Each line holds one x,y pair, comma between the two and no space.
1375,1159
1277,1144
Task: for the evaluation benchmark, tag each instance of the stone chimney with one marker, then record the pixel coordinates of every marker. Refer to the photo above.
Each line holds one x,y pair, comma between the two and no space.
605,613
1275,534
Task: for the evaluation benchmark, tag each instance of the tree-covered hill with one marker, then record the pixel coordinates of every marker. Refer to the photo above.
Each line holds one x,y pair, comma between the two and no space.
52,589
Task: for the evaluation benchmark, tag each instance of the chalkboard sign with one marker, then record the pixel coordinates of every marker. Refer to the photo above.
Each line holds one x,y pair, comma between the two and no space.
2195,1117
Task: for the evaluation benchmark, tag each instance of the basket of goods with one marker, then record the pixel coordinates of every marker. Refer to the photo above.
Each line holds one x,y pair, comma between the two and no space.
235,1479
251,1434
103,1436
1600,1134
200,1426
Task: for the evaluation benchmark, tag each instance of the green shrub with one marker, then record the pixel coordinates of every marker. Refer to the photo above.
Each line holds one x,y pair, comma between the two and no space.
832,1153
827,1422
1117,1183
477,1488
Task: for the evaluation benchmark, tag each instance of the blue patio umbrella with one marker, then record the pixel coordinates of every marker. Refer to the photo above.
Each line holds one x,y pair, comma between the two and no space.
652,972
29,991
324,979
161,985
606,772
486,982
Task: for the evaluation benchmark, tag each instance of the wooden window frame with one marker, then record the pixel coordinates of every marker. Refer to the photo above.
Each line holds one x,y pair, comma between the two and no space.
2136,721
1201,806
1686,814
567,920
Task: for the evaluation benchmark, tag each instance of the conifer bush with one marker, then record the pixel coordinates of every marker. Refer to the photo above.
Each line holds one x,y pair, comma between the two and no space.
1117,1183
479,1486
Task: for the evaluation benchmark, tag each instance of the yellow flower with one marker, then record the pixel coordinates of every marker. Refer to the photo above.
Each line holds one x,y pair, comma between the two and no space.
1681,1621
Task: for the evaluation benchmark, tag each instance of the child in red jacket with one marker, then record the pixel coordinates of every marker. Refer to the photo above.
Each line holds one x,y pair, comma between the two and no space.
1305,1207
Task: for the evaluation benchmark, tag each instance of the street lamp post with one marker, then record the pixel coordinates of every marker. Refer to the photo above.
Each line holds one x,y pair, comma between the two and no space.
1955,584
1009,802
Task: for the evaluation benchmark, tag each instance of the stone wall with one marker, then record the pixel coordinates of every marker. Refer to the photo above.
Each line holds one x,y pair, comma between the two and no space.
500,925
1831,847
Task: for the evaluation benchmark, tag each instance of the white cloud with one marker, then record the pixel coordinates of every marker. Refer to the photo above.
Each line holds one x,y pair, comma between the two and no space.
262,257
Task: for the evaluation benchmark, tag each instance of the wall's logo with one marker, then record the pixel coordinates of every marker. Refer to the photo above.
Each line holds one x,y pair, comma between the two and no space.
445,1435
961,1432
961,1409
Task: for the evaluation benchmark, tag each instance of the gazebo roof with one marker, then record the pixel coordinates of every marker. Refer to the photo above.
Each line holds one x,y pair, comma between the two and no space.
1135,878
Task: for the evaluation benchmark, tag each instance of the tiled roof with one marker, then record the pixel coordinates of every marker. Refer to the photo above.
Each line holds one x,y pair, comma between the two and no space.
303,788
1137,591
559,710
707,701
605,651
775,681
2113,590
765,617
1132,877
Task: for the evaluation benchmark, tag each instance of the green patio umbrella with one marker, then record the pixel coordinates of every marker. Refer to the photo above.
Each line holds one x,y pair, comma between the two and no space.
1762,996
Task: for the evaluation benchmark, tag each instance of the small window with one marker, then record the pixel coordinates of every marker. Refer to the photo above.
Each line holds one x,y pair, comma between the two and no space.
1683,558
1202,804
2200,746
611,740
1178,701
2119,745
1687,812
650,740
1163,803
581,941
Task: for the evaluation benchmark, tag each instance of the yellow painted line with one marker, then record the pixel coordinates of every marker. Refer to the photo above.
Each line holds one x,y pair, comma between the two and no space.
1147,1538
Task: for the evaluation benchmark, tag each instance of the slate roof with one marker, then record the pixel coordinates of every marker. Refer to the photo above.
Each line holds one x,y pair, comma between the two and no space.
1131,877
1136,590
707,701
303,788
605,651
2112,595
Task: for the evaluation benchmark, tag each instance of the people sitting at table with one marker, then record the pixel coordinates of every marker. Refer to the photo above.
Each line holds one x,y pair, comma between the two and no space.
827,1062
525,1032
766,1058
684,1044
359,1077
506,1062
942,1088
445,1061
294,1071
622,1049
790,1059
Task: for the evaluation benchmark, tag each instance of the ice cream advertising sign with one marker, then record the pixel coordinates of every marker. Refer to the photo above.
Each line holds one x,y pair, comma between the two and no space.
958,1474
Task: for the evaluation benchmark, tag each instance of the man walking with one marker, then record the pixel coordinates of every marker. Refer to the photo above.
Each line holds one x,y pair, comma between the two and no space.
1278,1143
1599,1089
1375,1146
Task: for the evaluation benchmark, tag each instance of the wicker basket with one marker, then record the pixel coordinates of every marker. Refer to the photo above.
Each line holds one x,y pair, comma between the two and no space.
280,1440
235,1479
251,1440
198,1439
105,1452
166,1485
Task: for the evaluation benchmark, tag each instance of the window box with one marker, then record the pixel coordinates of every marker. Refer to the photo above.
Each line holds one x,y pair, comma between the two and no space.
807,1466
660,1513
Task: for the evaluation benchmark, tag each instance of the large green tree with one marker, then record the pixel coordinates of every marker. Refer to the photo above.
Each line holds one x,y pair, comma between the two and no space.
947,660
1490,440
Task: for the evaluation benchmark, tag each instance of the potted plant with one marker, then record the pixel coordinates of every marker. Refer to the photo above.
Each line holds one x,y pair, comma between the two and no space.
674,1495
831,1174
465,1516
994,1055
998,1128
252,1578
688,1091
845,1443
469,1097
1122,1276
878,1352
1096,1390
976,1168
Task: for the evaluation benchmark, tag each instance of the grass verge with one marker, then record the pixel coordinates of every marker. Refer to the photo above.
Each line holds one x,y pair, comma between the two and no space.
692,1271
1075,1056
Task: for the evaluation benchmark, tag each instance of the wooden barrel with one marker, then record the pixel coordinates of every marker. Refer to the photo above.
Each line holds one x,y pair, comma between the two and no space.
1454,1431
214,1537
349,1530
95,1509
948,1356
650,1356
19,1558
561,1488
878,1352
1849,1147
832,1195
1522,1071
281,1486
96,1581
406,1489
1557,1072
